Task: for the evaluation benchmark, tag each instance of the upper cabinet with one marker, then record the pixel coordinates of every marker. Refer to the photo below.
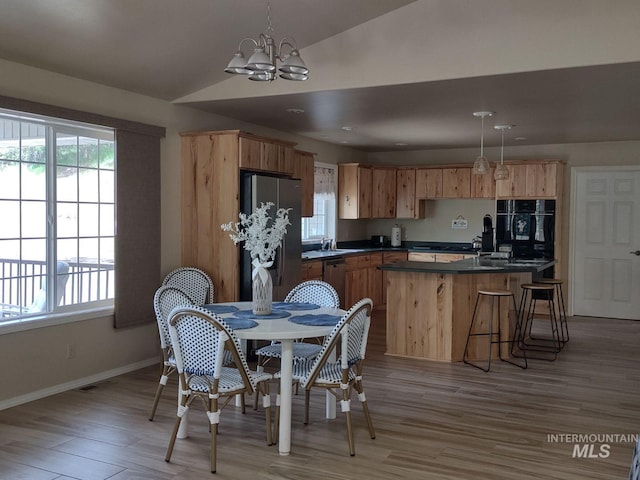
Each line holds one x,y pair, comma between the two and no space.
400,192
428,183
303,163
354,191
383,189
456,182
483,186
407,203
261,154
534,179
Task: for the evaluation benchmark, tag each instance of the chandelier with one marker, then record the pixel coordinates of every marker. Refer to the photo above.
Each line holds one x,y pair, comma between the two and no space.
481,165
261,66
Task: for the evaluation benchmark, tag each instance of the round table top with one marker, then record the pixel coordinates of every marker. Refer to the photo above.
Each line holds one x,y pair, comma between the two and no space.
282,328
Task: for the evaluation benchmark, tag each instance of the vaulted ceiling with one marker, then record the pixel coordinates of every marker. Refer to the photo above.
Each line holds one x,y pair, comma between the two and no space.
385,74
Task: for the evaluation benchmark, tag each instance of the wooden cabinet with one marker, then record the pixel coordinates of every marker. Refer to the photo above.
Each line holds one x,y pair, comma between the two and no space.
438,257
363,279
540,179
211,164
421,257
354,191
260,154
428,183
390,257
383,190
303,164
407,203
456,182
311,270
483,186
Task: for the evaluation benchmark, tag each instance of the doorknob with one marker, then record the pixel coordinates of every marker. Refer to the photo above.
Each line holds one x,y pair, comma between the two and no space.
636,253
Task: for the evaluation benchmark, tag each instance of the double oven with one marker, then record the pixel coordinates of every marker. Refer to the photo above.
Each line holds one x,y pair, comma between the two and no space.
528,227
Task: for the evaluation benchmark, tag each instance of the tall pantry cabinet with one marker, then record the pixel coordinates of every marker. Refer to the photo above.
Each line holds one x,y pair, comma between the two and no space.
211,167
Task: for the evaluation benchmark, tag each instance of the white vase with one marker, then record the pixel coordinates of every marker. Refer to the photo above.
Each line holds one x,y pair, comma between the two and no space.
262,294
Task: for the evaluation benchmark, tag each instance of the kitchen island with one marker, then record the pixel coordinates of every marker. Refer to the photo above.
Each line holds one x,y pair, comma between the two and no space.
429,305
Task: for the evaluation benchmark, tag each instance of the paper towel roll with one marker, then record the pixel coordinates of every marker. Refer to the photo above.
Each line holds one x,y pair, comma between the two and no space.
396,239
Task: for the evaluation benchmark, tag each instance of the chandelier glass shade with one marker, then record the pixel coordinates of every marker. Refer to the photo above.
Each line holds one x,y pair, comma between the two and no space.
262,64
481,164
501,172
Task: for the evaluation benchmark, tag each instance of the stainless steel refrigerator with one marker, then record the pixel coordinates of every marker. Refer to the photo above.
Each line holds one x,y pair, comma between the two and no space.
284,193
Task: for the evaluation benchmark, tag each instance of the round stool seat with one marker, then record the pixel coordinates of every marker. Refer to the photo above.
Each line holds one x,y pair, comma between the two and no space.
550,281
537,286
495,293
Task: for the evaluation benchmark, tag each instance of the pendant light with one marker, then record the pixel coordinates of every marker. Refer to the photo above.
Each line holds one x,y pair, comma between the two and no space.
502,172
481,165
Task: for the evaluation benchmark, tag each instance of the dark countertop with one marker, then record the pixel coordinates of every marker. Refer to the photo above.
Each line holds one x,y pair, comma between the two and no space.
341,252
471,265
349,248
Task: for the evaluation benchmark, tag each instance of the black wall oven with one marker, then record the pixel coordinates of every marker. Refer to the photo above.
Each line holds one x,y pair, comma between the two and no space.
528,226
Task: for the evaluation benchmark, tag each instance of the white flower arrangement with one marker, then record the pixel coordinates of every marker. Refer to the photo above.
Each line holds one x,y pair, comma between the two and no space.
261,234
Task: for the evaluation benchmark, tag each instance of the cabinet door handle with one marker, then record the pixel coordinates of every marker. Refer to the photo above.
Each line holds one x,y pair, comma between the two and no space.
636,253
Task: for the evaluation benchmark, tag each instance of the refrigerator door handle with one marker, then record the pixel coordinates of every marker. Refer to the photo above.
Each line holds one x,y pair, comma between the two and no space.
281,263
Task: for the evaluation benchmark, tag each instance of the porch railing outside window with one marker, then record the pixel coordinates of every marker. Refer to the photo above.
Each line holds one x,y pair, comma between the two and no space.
57,198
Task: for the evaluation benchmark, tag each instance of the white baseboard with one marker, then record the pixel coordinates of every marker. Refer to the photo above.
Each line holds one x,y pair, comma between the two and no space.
80,382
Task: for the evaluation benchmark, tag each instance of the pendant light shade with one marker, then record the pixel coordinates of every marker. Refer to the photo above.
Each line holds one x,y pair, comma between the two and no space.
481,165
502,172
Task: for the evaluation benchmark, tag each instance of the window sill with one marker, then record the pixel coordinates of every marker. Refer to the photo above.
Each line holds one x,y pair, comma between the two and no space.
54,319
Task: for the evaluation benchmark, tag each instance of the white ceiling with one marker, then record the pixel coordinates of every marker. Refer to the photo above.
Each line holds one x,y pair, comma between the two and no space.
177,50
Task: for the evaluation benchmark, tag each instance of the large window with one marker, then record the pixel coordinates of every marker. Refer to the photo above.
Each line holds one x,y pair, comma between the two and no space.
323,223
57,198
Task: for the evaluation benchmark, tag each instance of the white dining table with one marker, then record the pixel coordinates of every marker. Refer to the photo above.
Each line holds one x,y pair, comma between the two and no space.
284,331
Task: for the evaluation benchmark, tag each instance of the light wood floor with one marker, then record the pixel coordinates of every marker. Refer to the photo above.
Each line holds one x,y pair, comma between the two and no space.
433,421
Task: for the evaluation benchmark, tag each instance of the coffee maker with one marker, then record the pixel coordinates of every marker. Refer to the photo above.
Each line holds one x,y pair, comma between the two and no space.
487,234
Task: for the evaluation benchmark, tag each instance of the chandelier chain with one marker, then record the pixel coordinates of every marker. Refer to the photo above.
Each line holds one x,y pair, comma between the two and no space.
269,25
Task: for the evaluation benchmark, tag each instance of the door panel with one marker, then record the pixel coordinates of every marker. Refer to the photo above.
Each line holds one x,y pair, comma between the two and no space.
606,274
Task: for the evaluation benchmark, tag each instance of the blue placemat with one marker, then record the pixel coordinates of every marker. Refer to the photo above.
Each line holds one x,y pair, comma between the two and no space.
319,320
249,314
295,305
240,323
220,309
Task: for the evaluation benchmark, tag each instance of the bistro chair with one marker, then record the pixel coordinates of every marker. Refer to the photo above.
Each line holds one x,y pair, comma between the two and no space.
199,340
312,291
194,282
341,377
165,300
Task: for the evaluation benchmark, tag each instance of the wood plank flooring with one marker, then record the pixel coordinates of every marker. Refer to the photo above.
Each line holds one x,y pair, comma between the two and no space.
433,421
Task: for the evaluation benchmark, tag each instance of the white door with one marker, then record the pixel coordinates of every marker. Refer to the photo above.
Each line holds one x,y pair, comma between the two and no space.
606,237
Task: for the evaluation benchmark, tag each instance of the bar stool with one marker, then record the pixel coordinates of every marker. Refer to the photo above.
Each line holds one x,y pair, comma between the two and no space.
493,294
528,304
562,313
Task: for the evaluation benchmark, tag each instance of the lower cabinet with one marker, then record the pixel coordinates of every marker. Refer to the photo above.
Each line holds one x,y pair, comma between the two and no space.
311,270
390,257
437,257
363,279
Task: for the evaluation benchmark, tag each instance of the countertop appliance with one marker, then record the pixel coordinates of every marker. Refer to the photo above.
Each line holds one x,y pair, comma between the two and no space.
396,236
287,265
380,241
528,226
487,233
